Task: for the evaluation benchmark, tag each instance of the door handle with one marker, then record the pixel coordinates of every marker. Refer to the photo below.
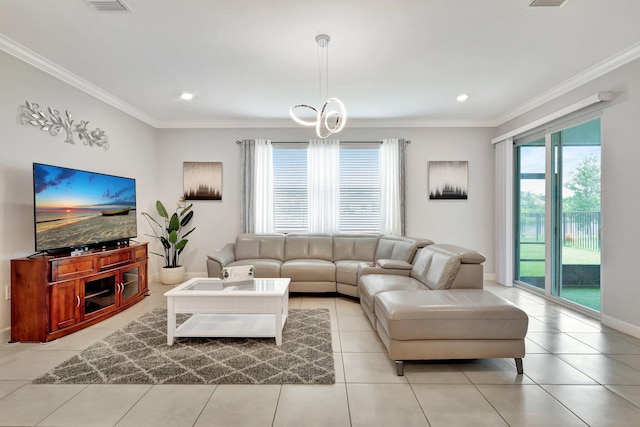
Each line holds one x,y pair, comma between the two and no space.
77,300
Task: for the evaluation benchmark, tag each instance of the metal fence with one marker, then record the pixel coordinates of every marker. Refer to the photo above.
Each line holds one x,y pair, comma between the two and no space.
579,229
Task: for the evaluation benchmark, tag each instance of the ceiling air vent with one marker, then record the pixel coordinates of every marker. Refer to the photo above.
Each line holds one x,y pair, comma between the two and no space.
547,3
108,5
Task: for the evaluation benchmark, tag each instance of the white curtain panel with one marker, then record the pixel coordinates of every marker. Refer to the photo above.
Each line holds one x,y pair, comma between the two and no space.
246,184
323,175
263,187
390,188
504,211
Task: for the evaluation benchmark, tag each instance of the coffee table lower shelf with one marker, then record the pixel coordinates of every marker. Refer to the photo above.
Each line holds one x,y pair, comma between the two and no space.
230,325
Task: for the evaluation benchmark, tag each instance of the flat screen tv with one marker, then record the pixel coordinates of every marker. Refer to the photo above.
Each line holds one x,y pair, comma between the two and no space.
76,209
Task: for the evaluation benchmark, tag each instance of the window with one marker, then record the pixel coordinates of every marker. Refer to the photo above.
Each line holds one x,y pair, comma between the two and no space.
360,208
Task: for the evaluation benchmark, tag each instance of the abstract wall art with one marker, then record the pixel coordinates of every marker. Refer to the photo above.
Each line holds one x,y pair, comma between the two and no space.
202,180
448,180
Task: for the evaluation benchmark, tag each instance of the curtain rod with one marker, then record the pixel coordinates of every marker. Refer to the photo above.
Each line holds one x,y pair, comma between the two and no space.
347,142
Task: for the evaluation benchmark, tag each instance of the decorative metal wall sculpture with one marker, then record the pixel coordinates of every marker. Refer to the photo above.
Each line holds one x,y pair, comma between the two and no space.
54,123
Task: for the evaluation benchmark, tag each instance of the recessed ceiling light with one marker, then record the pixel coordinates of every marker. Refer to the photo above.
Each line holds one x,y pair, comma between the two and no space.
462,97
186,96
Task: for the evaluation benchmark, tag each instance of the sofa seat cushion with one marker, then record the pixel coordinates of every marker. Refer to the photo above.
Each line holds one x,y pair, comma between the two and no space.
371,285
347,271
309,270
265,268
454,314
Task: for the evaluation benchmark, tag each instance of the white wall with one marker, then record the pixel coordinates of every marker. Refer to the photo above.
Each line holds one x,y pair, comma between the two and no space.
620,201
466,223
132,153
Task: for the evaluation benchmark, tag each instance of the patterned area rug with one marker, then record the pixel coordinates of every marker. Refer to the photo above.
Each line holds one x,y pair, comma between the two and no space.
139,354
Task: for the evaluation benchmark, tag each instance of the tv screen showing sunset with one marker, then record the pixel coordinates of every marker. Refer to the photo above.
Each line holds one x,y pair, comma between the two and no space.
76,208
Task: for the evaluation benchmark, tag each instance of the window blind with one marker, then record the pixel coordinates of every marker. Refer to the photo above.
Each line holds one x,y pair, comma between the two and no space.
359,188
290,188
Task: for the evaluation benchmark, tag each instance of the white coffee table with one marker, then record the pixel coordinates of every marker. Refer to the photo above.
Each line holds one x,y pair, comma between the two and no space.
257,308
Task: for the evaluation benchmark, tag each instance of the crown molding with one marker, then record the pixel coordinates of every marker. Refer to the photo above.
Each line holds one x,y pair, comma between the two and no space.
226,124
613,62
416,123
30,57
352,123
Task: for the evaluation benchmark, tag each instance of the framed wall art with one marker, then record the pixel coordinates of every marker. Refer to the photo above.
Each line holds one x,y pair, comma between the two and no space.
202,180
448,180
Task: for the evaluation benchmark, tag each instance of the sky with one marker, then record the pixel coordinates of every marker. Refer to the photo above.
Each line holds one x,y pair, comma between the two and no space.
63,188
533,161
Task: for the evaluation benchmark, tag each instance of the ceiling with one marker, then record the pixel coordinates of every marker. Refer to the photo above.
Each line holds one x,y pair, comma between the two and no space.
392,62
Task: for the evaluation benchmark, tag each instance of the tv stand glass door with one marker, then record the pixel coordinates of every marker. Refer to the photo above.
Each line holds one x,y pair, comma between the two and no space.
130,285
99,293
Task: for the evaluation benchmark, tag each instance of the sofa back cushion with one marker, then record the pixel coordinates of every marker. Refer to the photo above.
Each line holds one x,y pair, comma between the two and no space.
252,246
400,248
308,246
421,264
436,270
354,247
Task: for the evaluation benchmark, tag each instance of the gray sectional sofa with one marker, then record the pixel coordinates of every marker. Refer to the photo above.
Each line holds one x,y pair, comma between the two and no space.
424,299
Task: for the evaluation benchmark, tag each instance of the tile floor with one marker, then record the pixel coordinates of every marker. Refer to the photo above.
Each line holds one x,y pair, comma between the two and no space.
577,372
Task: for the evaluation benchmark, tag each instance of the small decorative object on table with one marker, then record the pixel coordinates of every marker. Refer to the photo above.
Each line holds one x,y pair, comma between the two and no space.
243,273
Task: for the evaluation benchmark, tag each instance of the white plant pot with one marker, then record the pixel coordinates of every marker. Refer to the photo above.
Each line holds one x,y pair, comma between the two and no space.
171,275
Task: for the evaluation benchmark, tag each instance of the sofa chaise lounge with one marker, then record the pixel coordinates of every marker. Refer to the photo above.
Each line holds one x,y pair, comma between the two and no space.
431,311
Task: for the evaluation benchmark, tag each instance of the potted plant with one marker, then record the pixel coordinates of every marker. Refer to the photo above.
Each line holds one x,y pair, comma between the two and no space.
170,232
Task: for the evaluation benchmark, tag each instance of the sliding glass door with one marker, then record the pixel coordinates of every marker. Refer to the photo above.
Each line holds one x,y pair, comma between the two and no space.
557,212
576,214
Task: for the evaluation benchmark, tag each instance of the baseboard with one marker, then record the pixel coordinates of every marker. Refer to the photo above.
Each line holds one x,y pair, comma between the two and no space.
620,325
155,277
5,335
490,277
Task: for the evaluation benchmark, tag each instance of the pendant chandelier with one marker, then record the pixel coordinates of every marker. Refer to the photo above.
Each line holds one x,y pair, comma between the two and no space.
331,117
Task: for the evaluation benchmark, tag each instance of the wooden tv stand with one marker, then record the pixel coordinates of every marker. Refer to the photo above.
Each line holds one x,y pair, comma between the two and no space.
53,296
